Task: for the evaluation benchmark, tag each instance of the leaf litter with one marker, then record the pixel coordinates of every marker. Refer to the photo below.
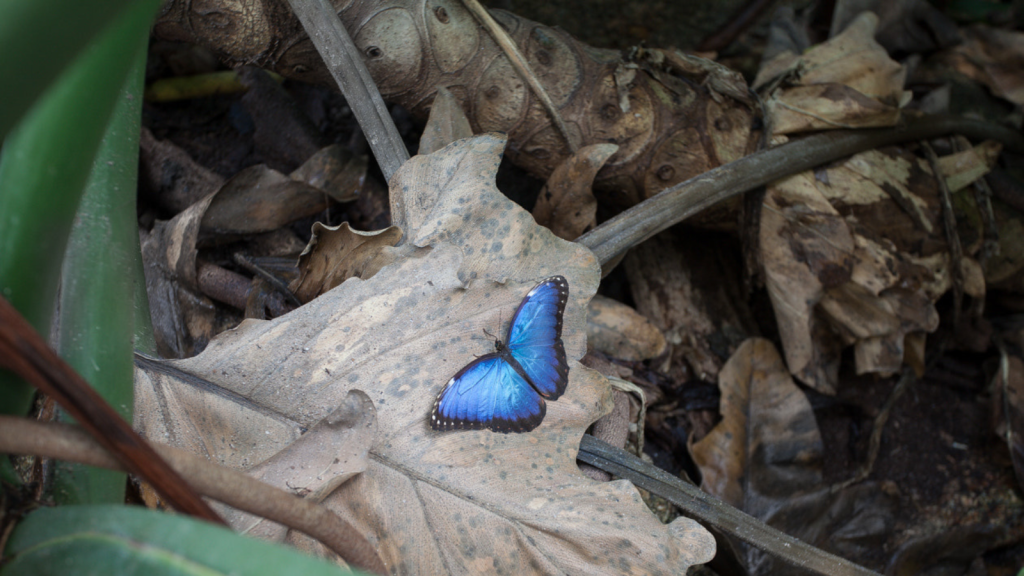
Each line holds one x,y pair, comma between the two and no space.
433,502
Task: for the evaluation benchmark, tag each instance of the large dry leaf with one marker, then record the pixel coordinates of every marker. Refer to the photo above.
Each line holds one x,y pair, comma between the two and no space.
765,457
855,255
432,502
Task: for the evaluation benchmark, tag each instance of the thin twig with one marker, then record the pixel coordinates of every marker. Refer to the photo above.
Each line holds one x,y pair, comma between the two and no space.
956,253
685,199
509,47
236,489
269,278
697,504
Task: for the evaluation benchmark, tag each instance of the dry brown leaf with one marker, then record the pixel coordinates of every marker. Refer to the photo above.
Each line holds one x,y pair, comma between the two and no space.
847,82
336,253
446,124
566,204
854,255
432,502
767,447
335,171
764,458
994,57
620,332
183,319
260,199
806,246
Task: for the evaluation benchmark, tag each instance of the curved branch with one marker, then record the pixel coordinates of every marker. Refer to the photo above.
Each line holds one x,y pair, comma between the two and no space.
675,204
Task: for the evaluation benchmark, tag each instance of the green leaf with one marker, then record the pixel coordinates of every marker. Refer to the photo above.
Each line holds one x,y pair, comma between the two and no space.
44,164
127,540
37,40
97,312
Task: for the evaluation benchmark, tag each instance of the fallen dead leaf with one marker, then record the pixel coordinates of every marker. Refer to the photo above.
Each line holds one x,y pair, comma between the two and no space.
854,254
848,81
260,199
434,502
183,319
765,457
446,124
993,57
336,253
767,447
621,332
566,204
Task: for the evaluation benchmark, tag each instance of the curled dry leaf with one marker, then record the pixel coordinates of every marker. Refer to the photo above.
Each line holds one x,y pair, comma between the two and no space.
847,82
855,255
620,332
183,319
566,204
260,199
433,502
446,124
336,253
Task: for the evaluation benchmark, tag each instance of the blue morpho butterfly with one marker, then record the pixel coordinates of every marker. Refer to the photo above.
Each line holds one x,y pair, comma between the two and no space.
505,390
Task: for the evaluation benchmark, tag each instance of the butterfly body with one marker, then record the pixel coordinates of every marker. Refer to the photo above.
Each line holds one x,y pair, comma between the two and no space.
505,390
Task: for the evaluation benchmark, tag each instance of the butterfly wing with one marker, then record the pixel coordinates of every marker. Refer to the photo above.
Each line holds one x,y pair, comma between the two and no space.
488,393
535,337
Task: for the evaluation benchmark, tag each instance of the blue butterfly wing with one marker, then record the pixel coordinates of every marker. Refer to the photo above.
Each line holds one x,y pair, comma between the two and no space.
535,337
488,393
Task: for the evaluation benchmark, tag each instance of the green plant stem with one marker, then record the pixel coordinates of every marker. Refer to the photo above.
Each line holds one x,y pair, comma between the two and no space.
97,308
43,167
